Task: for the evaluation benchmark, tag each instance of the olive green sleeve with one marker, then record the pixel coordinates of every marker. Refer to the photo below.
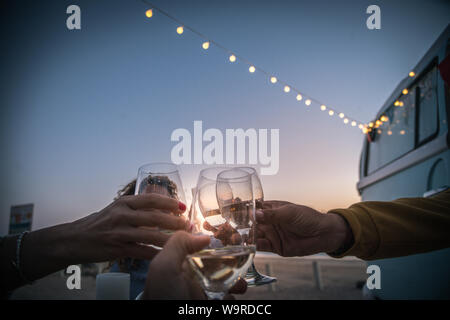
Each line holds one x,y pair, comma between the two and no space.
398,228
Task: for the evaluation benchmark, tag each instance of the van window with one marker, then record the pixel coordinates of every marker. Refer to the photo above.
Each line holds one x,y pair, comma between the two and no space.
395,137
427,106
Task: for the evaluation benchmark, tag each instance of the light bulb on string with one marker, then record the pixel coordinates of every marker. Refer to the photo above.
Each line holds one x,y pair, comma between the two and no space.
405,91
232,58
205,45
251,69
341,115
331,112
345,120
353,123
273,79
323,107
307,102
287,89
180,30
149,13
299,97
412,74
360,126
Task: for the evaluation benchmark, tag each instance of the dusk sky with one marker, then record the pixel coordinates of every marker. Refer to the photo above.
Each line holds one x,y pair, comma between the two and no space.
82,110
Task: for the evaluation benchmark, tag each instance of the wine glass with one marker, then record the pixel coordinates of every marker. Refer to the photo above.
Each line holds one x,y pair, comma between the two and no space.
234,194
162,178
226,259
253,277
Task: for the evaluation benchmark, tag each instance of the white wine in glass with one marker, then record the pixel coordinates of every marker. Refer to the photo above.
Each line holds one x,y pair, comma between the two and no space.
218,269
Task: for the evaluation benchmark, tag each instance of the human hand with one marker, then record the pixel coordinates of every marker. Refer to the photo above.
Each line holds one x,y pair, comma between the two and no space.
169,275
120,229
295,230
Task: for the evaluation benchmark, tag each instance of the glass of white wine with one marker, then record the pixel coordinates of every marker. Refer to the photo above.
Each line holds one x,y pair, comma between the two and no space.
253,277
161,178
227,257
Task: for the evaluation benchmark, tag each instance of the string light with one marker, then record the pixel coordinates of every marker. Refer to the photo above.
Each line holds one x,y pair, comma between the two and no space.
384,118
149,13
396,103
345,120
371,124
353,123
400,103
323,107
232,58
402,132
412,74
405,91
360,126
389,132
365,130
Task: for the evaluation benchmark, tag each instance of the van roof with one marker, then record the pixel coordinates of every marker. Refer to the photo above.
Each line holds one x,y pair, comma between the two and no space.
423,63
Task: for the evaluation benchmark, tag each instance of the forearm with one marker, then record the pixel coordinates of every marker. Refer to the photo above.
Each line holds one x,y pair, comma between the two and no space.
42,252
398,228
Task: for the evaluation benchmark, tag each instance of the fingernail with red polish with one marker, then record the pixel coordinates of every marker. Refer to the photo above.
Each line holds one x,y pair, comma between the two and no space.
181,206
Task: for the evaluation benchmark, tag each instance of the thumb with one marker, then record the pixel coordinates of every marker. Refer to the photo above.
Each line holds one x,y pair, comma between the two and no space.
181,244
272,216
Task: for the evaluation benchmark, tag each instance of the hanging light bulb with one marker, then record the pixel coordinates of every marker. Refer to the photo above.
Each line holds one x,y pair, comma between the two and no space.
323,107
299,97
412,74
371,124
307,102
405,91
384,118
273,79
180,30
345,120
205,45
232,58
341,115
400,103
353,123
251,69
389,132
149,13
287,89
396,103
364,130
402,132
331,112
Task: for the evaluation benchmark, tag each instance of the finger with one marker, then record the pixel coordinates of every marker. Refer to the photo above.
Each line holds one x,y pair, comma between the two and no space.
278,215
157,219
264,245
154,201
181,244
141,235
139,251
240,287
